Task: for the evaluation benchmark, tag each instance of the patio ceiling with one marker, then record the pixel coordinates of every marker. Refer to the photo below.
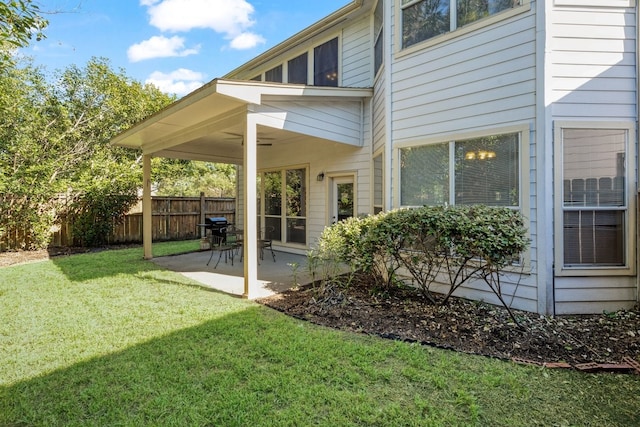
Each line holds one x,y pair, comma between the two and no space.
209,123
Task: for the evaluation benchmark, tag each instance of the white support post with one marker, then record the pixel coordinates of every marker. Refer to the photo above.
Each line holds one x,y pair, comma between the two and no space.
250,247
147,214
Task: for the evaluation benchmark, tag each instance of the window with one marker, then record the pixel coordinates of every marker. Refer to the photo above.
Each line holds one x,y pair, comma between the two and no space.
378,184
296,201
285,205
592,185
378,47
297,69
482,170
325,64
274,75
424,19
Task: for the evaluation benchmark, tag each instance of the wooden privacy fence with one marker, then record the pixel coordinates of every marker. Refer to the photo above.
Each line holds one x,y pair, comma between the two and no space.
173,218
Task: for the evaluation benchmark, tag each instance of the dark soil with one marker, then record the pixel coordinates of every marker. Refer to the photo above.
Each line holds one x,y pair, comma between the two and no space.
471,327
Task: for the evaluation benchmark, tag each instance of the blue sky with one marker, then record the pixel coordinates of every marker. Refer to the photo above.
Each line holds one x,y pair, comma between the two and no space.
176,44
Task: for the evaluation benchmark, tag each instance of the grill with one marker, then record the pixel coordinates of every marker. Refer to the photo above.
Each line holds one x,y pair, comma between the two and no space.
218,226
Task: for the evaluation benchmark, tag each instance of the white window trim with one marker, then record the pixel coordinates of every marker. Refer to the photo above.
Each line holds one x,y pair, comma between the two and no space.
630,191
374,37
481,23
525,182
597,3
283,218
311,70
309,49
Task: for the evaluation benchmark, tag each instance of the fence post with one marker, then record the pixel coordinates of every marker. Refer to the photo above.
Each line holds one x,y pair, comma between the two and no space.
203,231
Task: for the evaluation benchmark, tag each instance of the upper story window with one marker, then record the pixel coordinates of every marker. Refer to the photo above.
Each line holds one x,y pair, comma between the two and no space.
424,19
325,64
274,75
322,61
297,69
378,23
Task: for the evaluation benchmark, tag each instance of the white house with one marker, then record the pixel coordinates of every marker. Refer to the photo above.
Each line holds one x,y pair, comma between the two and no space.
531,104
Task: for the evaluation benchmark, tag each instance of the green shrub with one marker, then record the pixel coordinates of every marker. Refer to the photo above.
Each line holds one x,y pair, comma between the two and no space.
95,213
435,245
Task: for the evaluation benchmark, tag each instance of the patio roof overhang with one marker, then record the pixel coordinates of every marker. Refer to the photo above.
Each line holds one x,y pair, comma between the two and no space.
225,120
209,124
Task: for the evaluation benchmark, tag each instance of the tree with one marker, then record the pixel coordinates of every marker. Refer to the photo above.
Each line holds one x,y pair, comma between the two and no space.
20,22
54,138
190,178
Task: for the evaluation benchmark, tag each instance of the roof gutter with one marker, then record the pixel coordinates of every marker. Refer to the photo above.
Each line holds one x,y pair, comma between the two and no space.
300,37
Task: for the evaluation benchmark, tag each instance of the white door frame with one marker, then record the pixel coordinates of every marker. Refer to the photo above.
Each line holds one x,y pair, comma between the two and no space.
334,180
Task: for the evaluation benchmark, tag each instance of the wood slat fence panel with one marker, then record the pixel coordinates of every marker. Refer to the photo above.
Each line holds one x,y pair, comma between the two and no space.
173,218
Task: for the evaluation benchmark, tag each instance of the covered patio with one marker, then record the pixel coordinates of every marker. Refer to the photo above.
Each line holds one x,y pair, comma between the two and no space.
289,270
226,121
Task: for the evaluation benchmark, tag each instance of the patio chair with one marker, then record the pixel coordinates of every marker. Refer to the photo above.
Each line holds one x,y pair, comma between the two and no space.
265,242
226,244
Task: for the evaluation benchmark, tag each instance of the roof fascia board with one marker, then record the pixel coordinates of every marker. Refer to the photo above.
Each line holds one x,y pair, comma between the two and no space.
327,22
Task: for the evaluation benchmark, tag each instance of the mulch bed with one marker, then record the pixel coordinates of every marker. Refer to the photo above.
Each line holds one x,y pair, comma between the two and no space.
608,341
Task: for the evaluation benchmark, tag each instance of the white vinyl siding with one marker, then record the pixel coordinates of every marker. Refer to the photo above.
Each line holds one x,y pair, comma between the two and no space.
357,61
311,118
483,79
592,80
593,64
474,84
379,114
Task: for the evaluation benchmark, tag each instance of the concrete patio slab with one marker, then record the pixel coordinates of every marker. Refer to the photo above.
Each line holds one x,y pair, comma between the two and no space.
273,277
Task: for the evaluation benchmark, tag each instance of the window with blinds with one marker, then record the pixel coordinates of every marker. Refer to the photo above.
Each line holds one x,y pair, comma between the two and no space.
474,171
594,203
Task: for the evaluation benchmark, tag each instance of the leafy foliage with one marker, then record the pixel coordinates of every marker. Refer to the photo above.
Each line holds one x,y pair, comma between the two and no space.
54,139
443,247
20,21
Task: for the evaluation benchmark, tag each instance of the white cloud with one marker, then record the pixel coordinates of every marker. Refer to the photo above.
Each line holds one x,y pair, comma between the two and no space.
179,82
246,41
232,18
159,47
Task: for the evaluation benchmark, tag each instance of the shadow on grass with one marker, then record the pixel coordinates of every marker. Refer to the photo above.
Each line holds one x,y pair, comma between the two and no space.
258,367
103,264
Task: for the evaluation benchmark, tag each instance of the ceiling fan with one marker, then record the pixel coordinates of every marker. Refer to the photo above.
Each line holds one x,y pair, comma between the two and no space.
259,143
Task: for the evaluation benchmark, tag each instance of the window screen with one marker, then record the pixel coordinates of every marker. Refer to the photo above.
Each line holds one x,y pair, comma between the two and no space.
274,75
325,64
593,199
297,72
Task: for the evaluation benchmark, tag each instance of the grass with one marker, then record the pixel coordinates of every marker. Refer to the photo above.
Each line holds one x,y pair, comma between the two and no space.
110,339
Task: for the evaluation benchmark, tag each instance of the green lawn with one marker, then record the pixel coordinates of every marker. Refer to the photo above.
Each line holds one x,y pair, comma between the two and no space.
109,339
